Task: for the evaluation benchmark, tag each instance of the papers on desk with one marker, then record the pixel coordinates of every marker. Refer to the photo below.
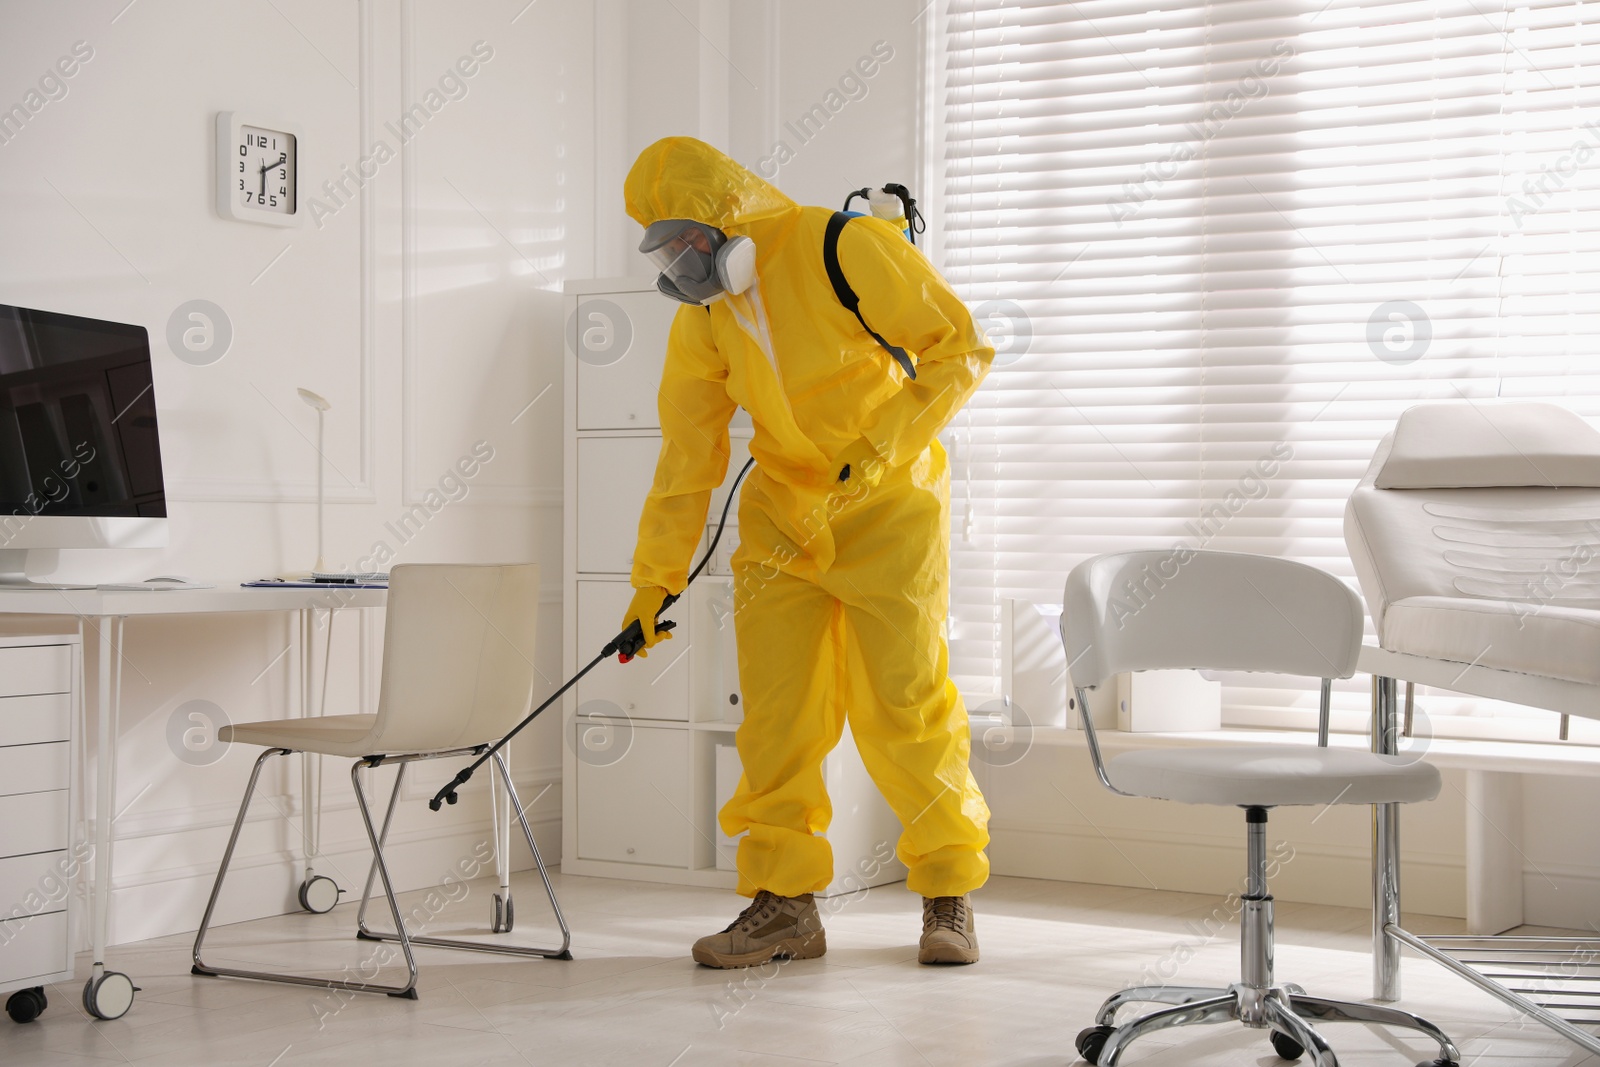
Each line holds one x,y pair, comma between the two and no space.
299,583
347,577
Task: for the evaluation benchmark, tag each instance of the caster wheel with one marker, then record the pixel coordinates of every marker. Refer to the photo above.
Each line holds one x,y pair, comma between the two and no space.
109,996
1438,1063
26,1005
1287,1047
505,915
318,894
1091,1041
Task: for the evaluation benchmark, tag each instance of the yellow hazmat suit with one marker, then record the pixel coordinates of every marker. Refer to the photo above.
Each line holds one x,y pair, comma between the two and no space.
841,589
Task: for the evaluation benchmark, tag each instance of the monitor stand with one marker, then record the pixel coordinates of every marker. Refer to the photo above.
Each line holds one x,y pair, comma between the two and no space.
14,572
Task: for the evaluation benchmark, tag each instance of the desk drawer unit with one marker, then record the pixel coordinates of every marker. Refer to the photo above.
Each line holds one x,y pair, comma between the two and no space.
36,708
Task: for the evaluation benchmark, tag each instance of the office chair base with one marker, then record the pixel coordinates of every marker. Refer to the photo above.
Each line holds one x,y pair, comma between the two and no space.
1283,1010
379,871
1256,1000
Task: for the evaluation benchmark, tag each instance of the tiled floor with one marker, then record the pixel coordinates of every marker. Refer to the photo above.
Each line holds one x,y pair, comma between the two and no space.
632,997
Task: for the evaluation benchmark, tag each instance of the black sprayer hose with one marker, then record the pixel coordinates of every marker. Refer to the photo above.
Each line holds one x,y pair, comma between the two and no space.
625,646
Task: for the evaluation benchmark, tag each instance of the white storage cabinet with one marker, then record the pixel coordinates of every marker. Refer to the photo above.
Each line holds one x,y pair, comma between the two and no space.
38,867
640,785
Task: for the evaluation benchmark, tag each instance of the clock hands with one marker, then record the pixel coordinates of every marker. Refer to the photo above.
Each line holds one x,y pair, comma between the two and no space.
281,161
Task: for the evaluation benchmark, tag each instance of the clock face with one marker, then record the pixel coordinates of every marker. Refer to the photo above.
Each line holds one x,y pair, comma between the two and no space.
264,179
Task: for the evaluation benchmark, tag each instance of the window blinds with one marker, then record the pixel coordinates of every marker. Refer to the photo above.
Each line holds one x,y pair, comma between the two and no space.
1222,246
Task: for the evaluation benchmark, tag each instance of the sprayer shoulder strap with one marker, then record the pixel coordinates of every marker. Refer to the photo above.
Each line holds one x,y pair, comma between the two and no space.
847,296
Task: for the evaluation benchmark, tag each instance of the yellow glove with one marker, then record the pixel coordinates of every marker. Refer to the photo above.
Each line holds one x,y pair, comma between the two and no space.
860,464
646,603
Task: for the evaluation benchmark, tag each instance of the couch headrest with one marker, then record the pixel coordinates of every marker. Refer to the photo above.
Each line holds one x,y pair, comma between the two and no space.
1480,445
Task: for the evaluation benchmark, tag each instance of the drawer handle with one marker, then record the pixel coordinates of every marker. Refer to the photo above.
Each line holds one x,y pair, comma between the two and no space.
630,850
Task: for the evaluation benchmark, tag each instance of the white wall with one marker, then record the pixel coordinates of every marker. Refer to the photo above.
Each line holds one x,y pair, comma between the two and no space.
741,76
426,308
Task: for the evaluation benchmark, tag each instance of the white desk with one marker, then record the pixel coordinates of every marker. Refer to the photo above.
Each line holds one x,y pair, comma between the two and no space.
100,616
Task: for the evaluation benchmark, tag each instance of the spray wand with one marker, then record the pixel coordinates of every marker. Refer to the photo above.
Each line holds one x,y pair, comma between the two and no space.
624,646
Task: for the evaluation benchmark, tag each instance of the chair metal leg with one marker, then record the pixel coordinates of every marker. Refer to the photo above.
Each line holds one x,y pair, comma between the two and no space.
1155,994
383,839
544,875
379,871
227,858
383,872
1218,1009
1283,1019
562,953
1337,1011
201,967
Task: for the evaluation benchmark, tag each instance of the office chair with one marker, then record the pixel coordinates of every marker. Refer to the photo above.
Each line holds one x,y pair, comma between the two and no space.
1178,609
457,675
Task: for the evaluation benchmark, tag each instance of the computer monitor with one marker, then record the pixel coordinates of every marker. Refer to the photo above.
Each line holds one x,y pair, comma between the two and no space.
80,455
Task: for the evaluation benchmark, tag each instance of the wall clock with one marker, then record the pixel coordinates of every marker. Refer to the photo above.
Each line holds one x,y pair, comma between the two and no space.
258,166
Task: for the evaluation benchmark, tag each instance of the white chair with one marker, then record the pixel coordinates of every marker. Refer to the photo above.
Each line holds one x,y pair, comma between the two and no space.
457,675
1180,609
1475,535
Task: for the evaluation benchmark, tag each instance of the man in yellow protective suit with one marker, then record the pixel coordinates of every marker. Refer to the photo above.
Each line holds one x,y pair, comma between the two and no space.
842,572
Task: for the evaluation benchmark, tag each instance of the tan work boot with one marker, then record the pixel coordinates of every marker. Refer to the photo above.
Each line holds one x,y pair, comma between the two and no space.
772,927
948,933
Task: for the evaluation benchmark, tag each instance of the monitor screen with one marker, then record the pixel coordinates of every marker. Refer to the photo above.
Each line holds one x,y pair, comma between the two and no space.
77,417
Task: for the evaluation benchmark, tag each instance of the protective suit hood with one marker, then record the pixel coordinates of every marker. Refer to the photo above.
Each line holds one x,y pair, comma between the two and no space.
685,178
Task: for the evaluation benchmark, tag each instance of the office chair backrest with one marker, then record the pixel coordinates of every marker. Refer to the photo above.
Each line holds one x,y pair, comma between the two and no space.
1496,501
1180,608
457,654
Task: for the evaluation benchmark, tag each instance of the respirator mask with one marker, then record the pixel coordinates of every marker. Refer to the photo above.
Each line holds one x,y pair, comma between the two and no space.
698,263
